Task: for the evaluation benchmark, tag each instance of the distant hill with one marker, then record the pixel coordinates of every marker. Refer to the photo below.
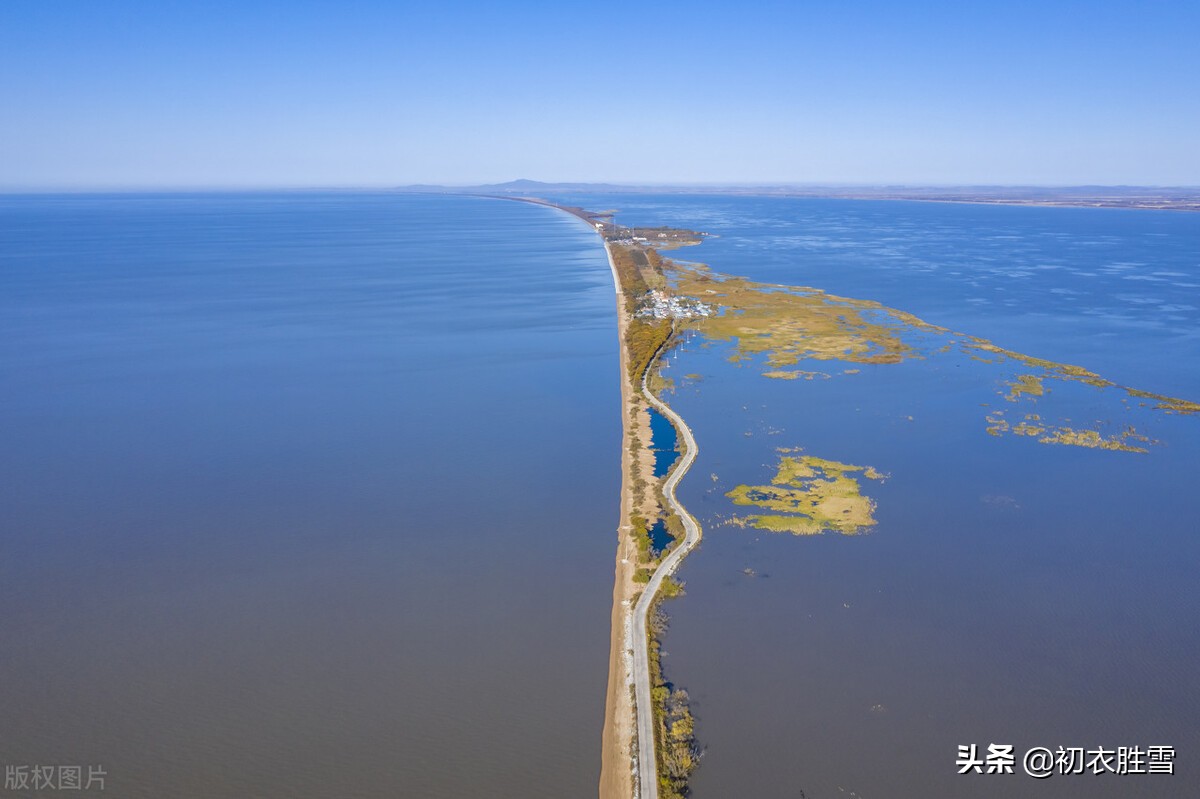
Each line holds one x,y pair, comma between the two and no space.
523,186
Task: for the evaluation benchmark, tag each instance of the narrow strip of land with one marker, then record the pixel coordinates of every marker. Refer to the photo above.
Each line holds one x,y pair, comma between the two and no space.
647,765
616,755
629,755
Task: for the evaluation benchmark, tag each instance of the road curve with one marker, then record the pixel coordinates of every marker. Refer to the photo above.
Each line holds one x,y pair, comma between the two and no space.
647,763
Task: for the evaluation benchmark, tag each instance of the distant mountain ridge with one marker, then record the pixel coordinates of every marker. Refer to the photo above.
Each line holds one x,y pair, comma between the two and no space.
524,186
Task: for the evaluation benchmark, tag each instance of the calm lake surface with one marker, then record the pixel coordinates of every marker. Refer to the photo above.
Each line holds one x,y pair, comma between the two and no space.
306,495
1012,592
314,495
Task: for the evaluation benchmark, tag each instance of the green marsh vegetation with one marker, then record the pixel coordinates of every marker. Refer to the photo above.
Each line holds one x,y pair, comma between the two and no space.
674,727
779,330
640,531
1126,440
1025,386
786,325
809,496
796,374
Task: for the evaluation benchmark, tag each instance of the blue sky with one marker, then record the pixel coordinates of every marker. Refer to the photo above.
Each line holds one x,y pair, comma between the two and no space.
212,94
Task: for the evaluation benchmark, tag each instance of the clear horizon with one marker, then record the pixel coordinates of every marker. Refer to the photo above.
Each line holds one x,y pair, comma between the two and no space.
142,96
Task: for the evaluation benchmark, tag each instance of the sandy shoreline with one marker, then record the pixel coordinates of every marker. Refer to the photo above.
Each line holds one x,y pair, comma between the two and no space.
616,749
618,760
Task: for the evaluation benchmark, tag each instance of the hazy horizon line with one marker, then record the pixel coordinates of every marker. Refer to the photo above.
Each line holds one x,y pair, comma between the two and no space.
390,186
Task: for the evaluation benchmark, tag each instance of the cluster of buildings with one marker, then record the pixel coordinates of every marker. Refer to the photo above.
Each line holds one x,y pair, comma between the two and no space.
655,304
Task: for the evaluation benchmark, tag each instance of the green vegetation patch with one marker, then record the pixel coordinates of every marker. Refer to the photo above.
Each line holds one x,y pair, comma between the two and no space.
1167,404
788,324
640,530
1128,440
1093,439
674,727
643,338
795,374
809,496
664,238
1025,386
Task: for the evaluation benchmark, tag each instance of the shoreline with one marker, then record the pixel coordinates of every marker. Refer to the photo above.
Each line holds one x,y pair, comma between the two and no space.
619,771
630,715
617,766
648,779
1186,200
624,771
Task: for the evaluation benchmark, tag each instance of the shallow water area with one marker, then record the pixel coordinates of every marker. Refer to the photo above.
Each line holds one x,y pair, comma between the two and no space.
1004,595
1011,591
1067,284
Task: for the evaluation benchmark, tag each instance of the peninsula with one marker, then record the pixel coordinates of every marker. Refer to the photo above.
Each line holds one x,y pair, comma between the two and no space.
654,755
648,747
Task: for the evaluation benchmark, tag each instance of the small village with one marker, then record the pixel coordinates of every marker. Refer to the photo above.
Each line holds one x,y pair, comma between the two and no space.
662,237
656,304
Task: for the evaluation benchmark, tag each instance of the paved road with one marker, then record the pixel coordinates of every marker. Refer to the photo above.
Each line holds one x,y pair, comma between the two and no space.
647,766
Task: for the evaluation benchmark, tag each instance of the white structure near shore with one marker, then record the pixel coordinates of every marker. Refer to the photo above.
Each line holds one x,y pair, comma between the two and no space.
655,304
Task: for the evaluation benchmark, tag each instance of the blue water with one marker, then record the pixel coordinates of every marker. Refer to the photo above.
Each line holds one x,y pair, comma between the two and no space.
274,467
665,441
1068,284
1012,592
660,538
275,471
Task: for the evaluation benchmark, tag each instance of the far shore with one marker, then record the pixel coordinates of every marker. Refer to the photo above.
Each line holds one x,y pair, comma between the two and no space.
1142,198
